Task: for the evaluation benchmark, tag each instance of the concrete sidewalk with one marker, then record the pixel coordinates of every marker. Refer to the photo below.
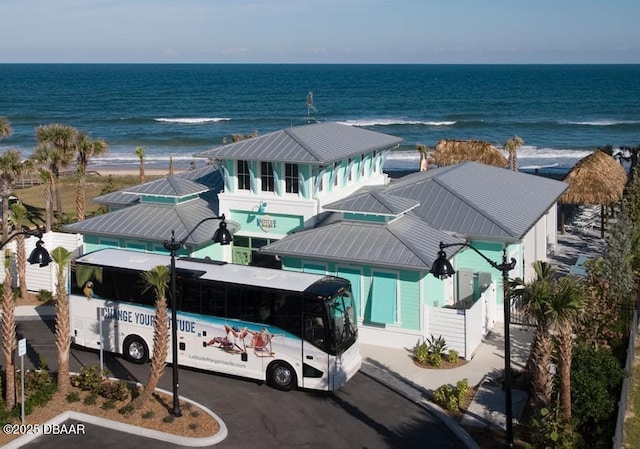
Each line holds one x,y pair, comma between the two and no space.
396,369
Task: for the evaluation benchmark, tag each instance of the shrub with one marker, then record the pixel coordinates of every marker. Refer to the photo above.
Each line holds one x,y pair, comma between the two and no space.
91,398
453,356
72,397
109,404
114,390
45,296
89,379
434,359
126,410
451,397
148,414
420,353
168,419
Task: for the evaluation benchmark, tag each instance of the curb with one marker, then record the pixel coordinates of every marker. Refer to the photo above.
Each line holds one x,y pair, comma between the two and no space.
411,393
134,430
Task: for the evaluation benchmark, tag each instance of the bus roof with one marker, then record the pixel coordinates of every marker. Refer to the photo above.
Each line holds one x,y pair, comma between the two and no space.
210,270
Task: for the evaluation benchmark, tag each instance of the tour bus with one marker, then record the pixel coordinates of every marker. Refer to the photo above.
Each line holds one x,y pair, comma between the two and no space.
287,328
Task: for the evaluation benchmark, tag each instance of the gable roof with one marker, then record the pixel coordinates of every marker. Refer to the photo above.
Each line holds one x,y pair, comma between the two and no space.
406,243
479,200
316,144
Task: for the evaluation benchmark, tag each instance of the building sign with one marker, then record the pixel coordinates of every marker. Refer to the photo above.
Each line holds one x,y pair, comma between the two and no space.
266,223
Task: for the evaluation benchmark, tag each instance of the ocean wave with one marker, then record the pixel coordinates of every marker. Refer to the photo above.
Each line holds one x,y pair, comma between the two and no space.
193,121
395,121
601,122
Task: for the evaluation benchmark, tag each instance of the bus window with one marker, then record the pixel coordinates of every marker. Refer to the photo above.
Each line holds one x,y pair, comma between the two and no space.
314,331
191,297
234,302
250,305
289,314
213,301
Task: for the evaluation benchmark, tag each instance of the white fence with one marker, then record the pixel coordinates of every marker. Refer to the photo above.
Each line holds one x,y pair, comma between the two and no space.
42,278
463,329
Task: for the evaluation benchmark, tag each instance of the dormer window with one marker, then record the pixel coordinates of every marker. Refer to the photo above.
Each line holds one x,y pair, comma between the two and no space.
268,180
244,177
291,178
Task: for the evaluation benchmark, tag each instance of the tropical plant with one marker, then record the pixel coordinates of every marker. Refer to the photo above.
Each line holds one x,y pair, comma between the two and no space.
568,302
46,176
157,279
5,128
8,334
86,149
511,146
19,218
536,299
11,166
62,257
423,150
55,151
140,154
596,377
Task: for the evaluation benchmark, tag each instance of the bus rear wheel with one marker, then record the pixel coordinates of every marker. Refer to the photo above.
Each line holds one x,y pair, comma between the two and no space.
281,376
135,350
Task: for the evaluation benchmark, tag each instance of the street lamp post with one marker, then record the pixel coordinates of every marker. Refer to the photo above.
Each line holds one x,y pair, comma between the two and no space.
39,255
442,268
222,236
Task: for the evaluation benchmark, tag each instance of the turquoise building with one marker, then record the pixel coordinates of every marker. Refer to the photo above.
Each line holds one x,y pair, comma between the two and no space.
315,198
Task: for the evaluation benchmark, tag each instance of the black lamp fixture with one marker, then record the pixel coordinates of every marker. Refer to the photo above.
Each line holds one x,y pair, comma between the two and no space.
221,236
39,255
442,269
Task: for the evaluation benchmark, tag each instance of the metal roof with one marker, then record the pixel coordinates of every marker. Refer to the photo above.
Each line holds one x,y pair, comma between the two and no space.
316,143
169,186
229,273
209,176
406,242
368,201
154,222
479,200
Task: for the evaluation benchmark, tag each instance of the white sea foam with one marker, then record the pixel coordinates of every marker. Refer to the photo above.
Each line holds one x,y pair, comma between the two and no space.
602,122
395,121
193,121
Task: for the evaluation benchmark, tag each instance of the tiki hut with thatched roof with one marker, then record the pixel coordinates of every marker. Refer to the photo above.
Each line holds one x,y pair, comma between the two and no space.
450,152
597,179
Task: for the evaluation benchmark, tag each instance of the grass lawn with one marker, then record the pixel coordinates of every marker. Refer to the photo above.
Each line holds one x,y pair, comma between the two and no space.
33,197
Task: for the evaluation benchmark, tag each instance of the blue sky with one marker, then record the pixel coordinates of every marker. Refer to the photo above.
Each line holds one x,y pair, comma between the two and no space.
320,31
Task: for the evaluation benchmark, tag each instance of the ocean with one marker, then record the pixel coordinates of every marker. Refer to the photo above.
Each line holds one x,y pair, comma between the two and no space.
562,112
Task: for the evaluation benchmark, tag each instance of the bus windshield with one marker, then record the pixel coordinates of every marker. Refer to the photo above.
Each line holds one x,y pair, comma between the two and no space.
342,314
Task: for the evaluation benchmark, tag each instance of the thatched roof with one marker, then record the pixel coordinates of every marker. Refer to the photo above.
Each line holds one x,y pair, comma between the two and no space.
595,179
449,152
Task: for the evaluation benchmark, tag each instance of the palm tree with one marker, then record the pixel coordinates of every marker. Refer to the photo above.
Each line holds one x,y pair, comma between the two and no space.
140,153
11,166
86,149
568,301
157,279
8,335
536,296
5,128
424,154
49,181
56,149
512,146
19,218
62,257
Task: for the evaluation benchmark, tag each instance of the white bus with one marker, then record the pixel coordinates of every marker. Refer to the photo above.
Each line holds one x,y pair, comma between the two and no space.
287,328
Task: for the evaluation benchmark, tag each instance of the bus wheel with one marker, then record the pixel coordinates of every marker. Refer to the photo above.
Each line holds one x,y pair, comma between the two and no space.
135,350
281,376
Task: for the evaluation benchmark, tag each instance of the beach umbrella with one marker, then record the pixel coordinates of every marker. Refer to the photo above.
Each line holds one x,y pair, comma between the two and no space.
597,179
449,152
